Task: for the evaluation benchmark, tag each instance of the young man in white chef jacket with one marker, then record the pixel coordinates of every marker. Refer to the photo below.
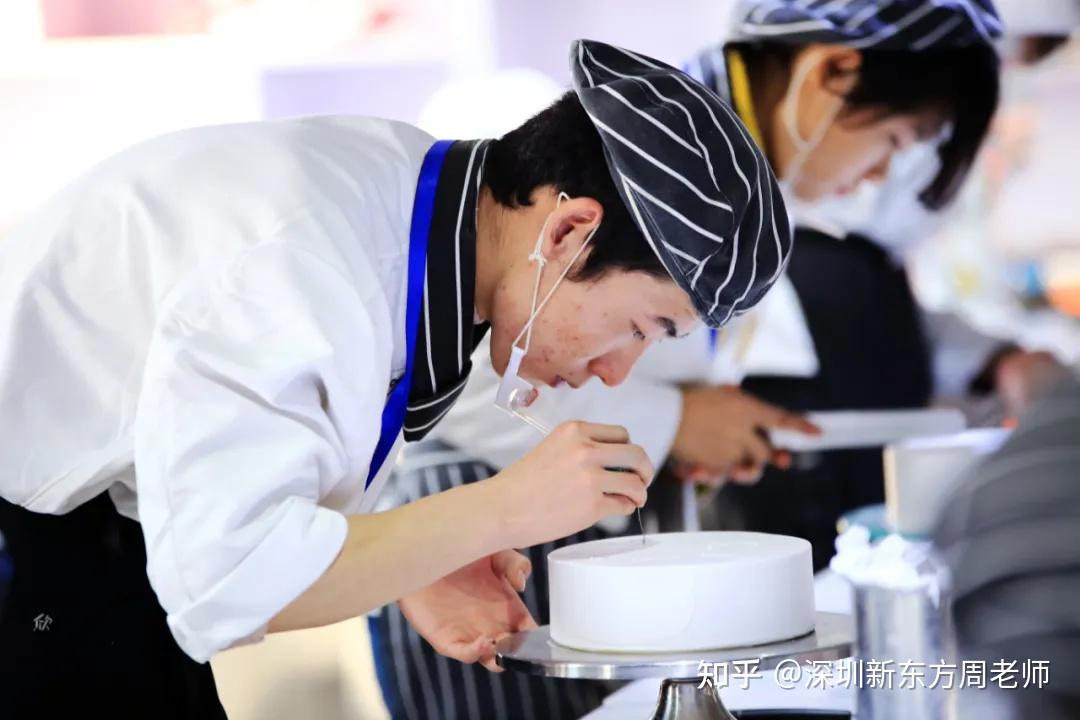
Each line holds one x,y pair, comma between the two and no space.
223,333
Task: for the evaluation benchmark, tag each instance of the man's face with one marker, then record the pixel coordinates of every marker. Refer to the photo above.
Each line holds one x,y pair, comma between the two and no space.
598,327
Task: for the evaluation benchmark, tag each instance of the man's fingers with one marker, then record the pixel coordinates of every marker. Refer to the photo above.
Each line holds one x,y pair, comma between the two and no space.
626,458
481,650
798,423
597,431
487,659
628,485
747,475
767,415
616,505
465,652
513,566
757,450
526,623
781,459
489,663
750,473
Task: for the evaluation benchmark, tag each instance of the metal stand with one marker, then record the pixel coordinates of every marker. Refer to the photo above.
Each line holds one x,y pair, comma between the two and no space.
534,652
686,700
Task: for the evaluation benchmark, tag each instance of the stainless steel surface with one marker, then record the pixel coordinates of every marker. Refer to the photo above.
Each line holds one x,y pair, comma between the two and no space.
684,700
910,627
535,653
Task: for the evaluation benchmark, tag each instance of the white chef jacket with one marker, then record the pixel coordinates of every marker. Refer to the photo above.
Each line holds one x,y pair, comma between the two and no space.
207,325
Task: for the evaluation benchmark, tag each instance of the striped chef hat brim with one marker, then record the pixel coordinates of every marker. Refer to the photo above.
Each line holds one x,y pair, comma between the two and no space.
864,24
699,189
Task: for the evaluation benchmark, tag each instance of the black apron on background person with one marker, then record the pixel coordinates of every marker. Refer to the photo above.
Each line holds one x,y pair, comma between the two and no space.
872,354
81,616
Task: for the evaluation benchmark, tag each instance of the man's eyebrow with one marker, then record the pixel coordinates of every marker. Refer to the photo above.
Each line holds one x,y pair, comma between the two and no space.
669,326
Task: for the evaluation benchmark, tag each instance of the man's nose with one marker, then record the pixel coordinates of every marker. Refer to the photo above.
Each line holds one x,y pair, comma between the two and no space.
614,367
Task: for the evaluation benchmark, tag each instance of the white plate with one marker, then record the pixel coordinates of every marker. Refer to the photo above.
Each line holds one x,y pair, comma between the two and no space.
869,428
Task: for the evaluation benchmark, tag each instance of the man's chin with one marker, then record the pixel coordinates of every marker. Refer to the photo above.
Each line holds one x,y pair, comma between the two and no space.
498,359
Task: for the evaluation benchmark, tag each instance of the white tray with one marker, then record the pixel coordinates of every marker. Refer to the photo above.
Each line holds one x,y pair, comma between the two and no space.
869,428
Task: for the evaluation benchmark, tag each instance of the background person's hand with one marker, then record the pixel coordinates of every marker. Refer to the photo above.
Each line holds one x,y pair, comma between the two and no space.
465,613
1023,377
723,435
566,484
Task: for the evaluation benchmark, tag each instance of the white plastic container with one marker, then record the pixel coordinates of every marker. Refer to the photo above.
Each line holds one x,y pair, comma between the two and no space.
921,473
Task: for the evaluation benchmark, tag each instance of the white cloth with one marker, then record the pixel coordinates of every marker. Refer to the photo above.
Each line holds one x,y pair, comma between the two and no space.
212,320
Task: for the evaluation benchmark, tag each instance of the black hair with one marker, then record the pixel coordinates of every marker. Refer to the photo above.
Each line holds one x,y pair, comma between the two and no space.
560,147
960,82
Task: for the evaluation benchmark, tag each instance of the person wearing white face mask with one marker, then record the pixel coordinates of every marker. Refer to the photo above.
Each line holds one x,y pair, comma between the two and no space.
212,344
830,109
836,91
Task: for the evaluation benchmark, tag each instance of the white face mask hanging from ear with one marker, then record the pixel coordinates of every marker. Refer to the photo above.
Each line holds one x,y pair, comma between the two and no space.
514,391
790,116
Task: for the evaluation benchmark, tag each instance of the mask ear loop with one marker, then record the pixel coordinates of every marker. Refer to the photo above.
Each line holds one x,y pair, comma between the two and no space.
527,330
513,395
790,116
537,256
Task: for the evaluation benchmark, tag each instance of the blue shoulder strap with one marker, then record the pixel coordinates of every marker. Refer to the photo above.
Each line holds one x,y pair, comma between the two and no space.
393,417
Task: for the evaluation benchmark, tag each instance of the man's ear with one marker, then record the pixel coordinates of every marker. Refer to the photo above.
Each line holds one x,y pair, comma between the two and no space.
569,226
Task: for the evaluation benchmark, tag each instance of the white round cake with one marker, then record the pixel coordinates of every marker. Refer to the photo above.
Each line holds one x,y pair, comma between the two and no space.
681,592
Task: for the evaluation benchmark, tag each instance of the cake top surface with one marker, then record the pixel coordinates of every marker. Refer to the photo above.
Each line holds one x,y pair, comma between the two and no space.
675,549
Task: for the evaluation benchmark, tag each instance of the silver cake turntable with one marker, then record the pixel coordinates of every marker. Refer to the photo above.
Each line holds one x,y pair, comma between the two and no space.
534,652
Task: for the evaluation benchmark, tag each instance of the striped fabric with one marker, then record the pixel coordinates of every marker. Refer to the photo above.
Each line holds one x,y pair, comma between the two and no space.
884,24
917,25
698,187
447,335
420,684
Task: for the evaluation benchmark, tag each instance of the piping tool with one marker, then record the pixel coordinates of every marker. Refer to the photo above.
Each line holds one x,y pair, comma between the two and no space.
515,410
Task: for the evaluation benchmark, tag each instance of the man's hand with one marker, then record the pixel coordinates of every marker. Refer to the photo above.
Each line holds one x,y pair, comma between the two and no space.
724,434
465,613
1023,377
579,474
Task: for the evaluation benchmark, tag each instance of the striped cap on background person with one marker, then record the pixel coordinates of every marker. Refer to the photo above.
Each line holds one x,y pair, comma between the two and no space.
697,186
861,24
881,24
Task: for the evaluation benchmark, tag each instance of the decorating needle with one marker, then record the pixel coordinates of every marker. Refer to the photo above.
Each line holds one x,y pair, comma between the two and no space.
543,429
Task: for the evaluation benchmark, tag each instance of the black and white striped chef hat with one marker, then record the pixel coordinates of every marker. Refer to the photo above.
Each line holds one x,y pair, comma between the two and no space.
883,24
698,187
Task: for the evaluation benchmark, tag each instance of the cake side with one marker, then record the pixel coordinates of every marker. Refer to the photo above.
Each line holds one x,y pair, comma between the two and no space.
688,592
